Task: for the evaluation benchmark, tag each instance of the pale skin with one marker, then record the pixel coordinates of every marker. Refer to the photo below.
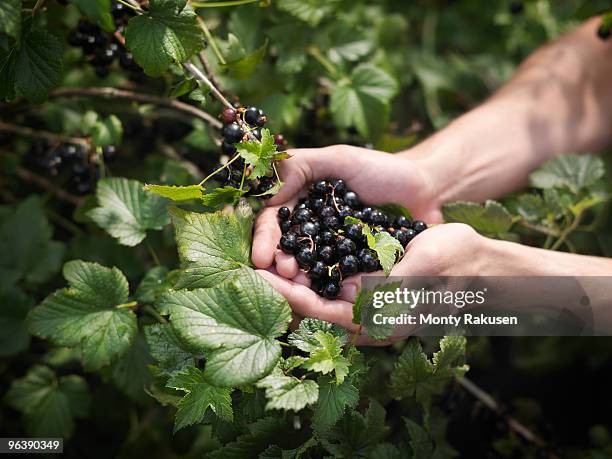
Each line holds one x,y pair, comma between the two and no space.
559,102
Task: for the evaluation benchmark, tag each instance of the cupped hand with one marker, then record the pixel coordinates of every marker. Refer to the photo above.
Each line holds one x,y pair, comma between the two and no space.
377,178
445,250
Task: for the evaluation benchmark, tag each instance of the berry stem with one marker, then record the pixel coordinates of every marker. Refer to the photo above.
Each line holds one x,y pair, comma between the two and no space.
212,41
153,313
321,59
222,4
152,252
131,5
219,170
111,93
37,134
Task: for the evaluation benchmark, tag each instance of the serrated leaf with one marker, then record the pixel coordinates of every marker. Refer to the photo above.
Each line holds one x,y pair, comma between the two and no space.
85,314
14,335
258,154
212,247
98,12
334,400
272,191
387,248
167,349
236,322
38,65
571,171
126,211
26,249
416,376
177,193
362,100
365,298
200,396
106,131
531,207
327,357
166,34
288,392
490,219
310,11
130,372
218,197
304,337
291,363
49,403
10,17
244,67
420,441
152,285
261,434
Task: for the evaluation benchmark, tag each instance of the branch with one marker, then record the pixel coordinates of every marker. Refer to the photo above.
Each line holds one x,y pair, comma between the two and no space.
108,93
492,404
45,184
37,134
38,6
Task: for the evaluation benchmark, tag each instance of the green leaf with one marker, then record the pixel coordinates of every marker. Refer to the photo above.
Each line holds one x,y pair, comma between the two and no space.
244,67
261,434
167,349
38,67
272,191
98,12
328,357
166,34
492,219
416,376
334,399
200,396
106,131
288,392
212,247
10,18
221,196
395,210
571,171
310,11
387,248
236,322
152,285
420,441
85,314
177,193
126,211
7,74
362,100
304,337
14,335
26,249
532,207
130,372
49,403
258,154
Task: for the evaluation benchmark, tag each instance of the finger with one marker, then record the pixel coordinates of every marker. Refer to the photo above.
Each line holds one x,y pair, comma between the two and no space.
286,266
266,236
307,303
308,164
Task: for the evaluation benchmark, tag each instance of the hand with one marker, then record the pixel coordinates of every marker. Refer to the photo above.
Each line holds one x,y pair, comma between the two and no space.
444,250
377,178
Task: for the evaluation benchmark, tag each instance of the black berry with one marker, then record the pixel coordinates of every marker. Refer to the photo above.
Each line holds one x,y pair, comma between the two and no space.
284,213
288,243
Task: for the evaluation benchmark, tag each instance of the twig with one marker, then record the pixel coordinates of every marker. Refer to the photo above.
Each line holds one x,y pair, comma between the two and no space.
211,40
108,93
539,228
208,69
38,6
492,404
45,184
153,312
37,134
567,231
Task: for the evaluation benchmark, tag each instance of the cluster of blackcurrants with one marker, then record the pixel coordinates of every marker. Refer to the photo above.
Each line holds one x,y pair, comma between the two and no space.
74,160
239,125
102,48
327,248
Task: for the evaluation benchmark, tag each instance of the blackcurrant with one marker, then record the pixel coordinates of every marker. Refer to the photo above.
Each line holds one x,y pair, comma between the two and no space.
349,265
305,257
308,229
404,236
256,133
335,275
232,133
367,212
345,246
228,115
301,216
325,253
353,231
402,221
261,121
330,290
288,243
327,211
264,186
279,139
351,199
317,203
327,237
345,211
284,213
419,226
318,270
368,261
516,7
109,153
339,187
228,148
321,187
331,223
250,115
286,226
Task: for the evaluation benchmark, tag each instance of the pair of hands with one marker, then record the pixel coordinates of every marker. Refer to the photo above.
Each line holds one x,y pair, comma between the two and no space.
377,178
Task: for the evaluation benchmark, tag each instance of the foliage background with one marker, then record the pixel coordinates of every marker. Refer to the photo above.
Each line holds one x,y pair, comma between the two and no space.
302,62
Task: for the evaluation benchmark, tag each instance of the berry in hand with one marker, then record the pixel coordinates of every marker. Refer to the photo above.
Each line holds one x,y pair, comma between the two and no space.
305,257
288,243
284,213
419,226
330,290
